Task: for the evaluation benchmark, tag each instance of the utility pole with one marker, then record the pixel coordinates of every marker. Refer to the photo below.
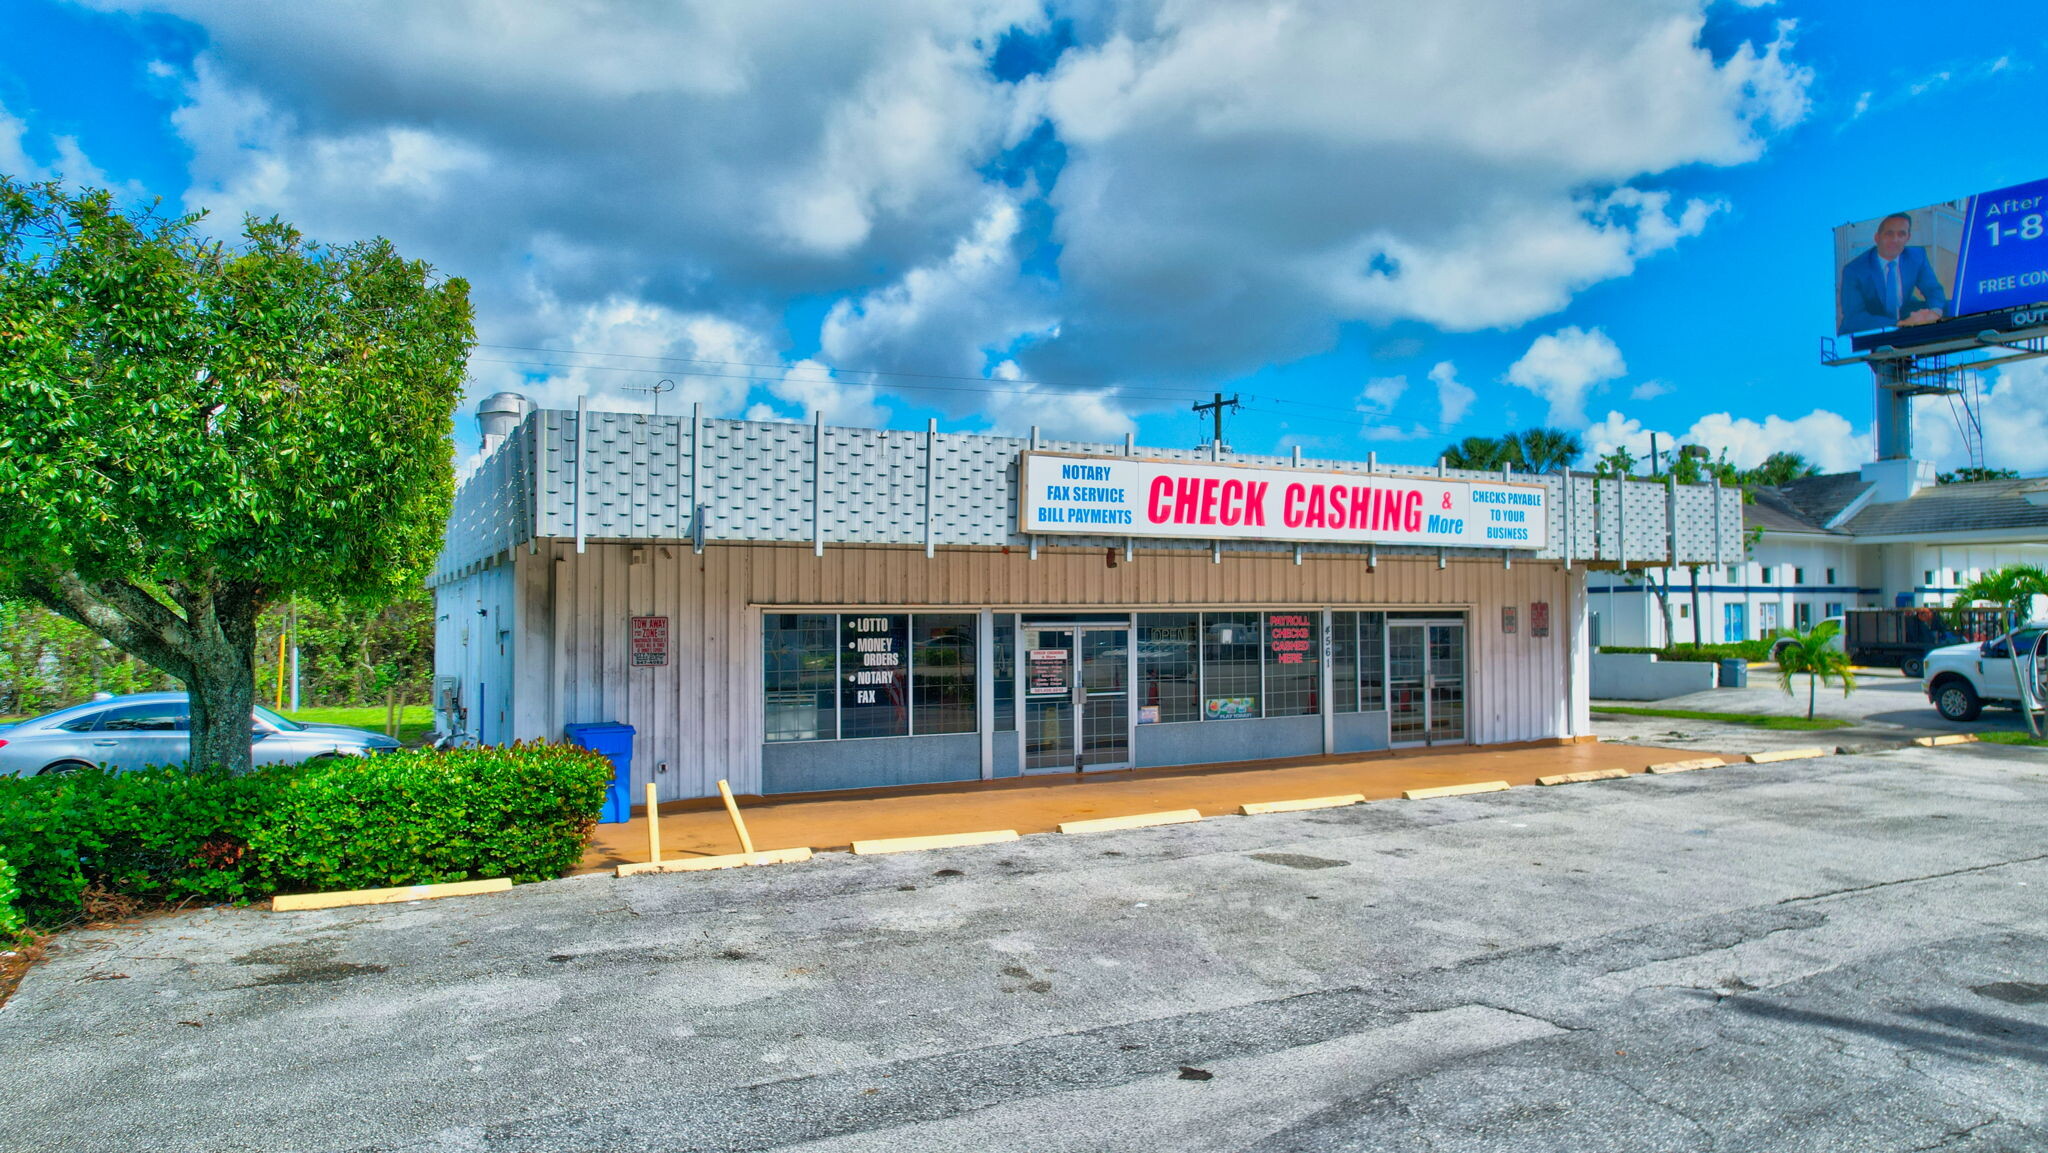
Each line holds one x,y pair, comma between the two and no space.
1215,408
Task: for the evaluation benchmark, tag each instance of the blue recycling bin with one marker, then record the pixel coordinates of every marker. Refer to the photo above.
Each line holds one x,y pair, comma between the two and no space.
1734,673
615,741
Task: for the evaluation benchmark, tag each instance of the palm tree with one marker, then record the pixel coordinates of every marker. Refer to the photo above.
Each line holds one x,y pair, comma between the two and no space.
1808,653
2013,589
1478,453
1545,449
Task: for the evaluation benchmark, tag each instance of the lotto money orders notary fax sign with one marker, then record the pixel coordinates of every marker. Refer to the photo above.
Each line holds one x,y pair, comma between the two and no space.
1118,496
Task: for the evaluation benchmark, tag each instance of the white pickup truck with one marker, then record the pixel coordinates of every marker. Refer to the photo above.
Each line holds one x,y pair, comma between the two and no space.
1961,679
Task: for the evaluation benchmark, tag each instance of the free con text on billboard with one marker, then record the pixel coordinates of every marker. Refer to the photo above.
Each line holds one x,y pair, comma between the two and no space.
1917,266
1117,496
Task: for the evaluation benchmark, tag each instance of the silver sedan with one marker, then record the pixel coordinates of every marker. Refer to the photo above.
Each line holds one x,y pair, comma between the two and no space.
133,732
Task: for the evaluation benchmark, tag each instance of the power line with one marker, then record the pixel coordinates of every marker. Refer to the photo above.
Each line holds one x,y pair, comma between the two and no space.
1034,384
1353,418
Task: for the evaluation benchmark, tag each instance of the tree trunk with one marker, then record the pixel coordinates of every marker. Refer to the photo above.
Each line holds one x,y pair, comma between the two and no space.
222,688
208,642
1810,680
1697,623
223,695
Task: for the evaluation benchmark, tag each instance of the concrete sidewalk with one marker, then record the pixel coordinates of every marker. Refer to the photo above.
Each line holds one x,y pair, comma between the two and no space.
1039,804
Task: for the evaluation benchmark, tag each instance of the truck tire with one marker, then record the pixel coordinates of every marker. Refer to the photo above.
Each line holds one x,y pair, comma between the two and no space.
1913,667
1956,700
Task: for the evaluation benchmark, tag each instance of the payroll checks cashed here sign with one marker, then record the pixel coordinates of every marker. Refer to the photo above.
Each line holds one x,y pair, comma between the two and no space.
1120,496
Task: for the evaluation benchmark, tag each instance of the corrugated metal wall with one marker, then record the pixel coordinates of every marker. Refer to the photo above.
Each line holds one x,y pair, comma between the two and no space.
699,716
476,631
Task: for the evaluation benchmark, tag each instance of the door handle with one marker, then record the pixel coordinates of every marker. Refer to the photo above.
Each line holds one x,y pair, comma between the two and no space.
106,743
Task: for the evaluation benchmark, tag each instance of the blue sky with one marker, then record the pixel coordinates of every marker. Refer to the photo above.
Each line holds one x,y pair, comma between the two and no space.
1385,228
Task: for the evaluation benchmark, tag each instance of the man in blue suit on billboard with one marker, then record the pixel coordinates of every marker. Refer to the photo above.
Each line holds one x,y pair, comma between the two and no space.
1891,283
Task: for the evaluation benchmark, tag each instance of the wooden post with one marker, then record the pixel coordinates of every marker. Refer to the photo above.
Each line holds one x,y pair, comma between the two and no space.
732,809
391,712
279,706
653,826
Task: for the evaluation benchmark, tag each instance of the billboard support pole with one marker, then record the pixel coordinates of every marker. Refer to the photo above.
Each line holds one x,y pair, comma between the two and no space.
1894,407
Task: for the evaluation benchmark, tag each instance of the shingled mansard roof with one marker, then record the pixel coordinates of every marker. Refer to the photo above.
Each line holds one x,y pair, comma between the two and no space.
1814,504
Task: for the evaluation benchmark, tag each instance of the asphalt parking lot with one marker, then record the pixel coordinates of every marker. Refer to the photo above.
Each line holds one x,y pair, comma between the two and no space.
1846,953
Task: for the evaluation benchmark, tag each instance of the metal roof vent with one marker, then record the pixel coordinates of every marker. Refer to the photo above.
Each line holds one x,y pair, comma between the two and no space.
498,415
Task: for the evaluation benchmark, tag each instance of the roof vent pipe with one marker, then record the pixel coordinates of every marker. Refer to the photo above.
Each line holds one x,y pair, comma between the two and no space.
498,415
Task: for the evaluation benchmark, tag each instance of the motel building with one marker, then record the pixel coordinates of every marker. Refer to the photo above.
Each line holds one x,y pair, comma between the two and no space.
1885,536
799,608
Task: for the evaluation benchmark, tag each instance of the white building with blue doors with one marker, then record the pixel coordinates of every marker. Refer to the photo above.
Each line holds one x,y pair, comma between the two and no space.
797,608
1886,536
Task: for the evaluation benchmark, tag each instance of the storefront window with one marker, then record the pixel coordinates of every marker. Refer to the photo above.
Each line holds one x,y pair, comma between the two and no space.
1343,662
942,672
1230,665
1169,684
873,701
1004,691
799,651
1372,662
1293,666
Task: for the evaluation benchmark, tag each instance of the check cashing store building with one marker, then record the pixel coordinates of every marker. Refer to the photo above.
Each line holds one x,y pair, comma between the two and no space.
798,608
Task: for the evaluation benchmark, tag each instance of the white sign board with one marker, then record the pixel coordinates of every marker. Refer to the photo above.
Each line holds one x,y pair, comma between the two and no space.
1122,496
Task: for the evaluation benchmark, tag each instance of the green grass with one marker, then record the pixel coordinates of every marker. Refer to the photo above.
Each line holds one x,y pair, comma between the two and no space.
415,721
1783,724
2010,739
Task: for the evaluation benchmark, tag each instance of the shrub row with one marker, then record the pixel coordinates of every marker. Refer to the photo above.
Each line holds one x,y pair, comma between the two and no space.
10,917
1742,650
406,818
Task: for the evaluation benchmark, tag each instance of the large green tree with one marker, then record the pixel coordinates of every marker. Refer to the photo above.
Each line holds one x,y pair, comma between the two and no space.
191,430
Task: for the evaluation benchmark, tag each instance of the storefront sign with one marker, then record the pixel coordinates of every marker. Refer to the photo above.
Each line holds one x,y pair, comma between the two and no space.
1288,638
1046,674
650,641
1116,496
1539,619
874,669
1226,708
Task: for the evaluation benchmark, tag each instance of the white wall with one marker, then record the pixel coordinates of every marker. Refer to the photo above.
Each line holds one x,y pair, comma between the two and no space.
699,717
475,627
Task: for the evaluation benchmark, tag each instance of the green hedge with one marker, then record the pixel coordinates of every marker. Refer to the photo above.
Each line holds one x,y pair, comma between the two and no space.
1742,650
10,917
406,818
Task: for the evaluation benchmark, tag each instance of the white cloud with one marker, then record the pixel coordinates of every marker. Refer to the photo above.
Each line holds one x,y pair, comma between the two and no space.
1380,393
68,163
946,317
1057,413
1452,398
1241,177
812,388
708,357
1824,438
1563,367
2013,412
1244,176
1649,390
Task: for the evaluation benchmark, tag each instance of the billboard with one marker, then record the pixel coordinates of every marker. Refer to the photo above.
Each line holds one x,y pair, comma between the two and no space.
1978,254
1135,496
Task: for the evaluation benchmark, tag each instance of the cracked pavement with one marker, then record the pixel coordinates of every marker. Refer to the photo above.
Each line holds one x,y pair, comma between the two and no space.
1836,954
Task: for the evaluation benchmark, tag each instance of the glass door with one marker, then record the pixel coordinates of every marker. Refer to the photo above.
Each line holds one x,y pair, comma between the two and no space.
1407,683
1425,683
1104,682
1077,698
1446,684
